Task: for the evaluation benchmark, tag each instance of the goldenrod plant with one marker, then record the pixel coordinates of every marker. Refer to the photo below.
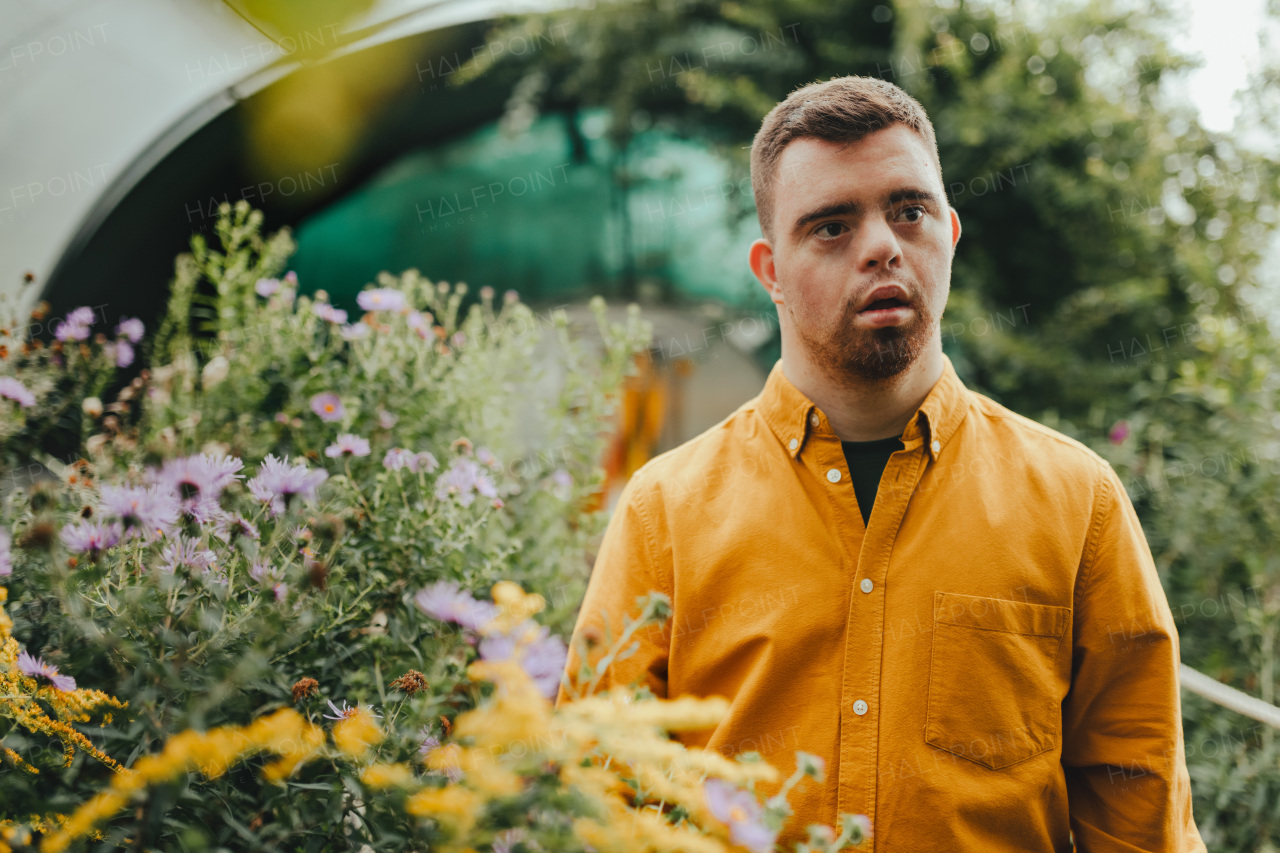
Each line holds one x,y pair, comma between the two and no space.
516,770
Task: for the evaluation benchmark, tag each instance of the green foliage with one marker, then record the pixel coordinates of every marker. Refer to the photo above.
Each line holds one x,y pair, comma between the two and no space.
215,621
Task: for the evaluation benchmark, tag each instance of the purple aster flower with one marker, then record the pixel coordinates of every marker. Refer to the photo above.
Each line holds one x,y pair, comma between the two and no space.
485,457
266,286
381,299
76,325
561,484
416,320
355,331
272,576
90,537
131,328
399,457
347,711
144,511
234,524
444,601
542,655
197,482
291,277
347,445
278,482
325,311
431,742
6,556
124,353
186,552
14,390
465,479
386,420
744,816
1119,432
37,669
328,406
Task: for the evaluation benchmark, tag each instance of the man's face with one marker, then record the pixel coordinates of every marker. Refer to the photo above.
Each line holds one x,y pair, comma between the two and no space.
861,256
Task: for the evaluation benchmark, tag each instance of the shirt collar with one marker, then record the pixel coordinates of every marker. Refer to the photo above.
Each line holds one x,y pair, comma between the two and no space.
793,417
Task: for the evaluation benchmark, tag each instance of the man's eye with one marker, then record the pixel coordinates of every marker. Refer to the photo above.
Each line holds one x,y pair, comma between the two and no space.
823,231
913,213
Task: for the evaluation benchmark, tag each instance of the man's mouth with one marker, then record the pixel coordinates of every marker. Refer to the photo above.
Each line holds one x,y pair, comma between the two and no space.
880,304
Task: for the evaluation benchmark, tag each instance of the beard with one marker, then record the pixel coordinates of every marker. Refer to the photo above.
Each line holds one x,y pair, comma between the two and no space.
848,353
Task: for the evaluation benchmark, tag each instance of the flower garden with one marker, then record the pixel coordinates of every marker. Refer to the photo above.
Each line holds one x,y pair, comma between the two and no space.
300,583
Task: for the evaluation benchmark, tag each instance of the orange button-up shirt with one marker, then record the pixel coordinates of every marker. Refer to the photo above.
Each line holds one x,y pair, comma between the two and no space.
989,665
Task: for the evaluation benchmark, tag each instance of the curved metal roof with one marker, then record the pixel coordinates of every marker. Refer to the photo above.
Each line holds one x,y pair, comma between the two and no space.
95,94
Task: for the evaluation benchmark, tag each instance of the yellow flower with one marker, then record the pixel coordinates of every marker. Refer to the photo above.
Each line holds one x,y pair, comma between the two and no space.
356,732
453,806
211,752
387,776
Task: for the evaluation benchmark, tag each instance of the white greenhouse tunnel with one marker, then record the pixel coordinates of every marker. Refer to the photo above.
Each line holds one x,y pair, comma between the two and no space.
94,93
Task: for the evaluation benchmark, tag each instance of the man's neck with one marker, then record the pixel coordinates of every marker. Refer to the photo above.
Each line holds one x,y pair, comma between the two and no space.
860,410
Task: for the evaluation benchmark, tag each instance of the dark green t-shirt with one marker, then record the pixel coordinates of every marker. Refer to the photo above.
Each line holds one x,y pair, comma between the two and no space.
867,460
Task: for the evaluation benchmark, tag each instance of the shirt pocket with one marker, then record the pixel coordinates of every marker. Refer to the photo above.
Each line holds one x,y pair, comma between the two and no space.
994,694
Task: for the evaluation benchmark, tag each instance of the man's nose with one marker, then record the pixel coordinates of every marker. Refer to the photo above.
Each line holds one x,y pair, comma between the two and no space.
878,246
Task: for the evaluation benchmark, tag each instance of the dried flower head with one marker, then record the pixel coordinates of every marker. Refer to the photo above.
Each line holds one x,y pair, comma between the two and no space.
305,688
411,682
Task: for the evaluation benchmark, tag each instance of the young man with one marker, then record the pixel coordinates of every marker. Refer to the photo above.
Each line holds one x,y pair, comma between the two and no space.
950,604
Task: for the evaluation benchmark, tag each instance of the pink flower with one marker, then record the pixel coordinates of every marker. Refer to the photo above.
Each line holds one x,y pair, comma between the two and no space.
278,483
124,353
197,482
740,811
465,480
6,556
131,328
186,552
328,406
347,445
266,286
325,311
37,669
91,537
1119,432
14,390
381,299
355,331
542,656
144,511
443,600
76,326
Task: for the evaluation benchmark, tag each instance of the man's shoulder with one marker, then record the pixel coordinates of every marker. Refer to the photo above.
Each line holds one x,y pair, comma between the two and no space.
717,451
1035,443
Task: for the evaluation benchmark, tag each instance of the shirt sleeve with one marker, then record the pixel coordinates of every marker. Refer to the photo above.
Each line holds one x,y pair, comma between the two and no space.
624,571
1122,750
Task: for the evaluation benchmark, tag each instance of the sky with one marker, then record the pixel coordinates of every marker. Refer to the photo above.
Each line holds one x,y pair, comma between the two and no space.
1223,32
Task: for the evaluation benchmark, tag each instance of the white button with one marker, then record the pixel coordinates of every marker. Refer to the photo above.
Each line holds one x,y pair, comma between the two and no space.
793,444
866,585
833,474
813,419
937,446
859,707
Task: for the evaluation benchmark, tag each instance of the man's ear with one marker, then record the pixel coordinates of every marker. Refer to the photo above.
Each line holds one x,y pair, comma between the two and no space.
955,229
760,257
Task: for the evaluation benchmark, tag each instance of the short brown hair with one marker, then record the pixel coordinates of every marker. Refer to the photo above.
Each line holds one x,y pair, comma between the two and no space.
843,109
